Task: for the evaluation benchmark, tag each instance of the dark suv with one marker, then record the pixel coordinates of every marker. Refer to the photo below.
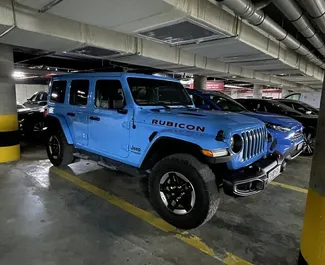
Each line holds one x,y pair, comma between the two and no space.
39,99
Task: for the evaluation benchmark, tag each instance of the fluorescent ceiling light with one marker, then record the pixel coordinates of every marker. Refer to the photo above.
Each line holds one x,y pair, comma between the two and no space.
18,75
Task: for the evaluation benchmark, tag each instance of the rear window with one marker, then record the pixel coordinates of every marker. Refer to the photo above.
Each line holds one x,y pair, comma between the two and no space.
79,92
58,91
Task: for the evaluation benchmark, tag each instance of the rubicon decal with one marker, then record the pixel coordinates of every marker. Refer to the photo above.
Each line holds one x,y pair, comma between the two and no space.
181,125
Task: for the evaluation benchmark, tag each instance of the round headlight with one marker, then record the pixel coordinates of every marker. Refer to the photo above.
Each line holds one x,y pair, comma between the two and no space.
236,143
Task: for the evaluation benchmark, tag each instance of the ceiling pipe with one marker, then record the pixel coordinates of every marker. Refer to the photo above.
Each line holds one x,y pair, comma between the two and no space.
246,10
14,25
316,9
296,16
262,4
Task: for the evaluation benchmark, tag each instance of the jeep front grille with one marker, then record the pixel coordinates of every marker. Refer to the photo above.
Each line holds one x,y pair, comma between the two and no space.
253,142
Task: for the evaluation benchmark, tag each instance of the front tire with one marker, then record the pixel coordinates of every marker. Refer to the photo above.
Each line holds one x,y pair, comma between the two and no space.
183,191
310,139
58,150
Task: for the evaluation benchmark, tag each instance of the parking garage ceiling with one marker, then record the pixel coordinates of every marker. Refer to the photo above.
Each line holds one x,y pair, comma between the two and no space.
192,36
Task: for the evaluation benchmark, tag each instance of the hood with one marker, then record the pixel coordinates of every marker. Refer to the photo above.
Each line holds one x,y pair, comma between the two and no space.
198,120
275,118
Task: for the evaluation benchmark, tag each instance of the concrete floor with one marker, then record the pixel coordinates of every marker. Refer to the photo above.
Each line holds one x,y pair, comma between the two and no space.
45,219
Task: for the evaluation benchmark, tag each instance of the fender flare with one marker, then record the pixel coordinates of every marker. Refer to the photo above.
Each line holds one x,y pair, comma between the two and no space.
201,141
49,121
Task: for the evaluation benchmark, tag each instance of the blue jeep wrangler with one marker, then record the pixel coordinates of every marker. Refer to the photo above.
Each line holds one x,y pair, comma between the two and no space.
146,124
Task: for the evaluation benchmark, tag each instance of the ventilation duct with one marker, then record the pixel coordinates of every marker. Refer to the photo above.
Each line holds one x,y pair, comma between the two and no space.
296,16
316,9
246,10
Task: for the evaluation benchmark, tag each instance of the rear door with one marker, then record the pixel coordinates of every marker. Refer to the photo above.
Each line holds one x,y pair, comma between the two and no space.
77,112
109,119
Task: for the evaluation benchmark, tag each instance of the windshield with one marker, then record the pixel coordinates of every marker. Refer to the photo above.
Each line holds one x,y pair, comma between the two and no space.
19,106
227,104
309,107
283,108
151,92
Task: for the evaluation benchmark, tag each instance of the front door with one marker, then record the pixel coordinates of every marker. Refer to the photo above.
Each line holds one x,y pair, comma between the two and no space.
109,120
77,114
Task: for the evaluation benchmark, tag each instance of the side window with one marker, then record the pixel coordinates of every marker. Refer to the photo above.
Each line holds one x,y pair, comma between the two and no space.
33,98
39,96
198,101
109,94
58,91
295,96
43,96
260,106
79,92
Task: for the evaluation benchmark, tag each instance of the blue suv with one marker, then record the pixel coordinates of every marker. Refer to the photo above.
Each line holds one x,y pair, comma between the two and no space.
287,132
142,124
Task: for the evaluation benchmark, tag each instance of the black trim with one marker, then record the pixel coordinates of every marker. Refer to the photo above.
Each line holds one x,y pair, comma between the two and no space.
152,136
301,259
217,160
9,138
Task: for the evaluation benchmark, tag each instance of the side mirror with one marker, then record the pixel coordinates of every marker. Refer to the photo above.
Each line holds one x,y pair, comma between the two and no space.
204,106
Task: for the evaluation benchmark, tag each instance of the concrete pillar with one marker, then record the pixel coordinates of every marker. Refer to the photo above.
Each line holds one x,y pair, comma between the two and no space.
284,92
9,133
258,91
233,93
312,245
200,82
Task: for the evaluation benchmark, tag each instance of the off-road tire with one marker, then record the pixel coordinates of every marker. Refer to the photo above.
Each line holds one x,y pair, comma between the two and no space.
66,150
203,182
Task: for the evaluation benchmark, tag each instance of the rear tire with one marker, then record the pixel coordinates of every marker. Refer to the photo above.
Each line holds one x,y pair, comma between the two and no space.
183,174
58,150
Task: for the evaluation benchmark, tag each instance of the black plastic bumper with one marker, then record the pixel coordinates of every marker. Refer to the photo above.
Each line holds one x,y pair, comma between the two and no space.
254,178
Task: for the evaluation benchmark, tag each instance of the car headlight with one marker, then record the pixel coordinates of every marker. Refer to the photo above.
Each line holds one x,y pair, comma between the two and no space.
215,153
236,143
277,127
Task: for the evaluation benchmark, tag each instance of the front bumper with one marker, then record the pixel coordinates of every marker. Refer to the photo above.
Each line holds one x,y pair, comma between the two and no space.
254,178
295,150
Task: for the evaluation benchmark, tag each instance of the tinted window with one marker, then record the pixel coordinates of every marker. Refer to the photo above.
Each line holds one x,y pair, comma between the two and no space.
227,104
147,91
109,94
58,91
280,108
43,96
79,92
250,105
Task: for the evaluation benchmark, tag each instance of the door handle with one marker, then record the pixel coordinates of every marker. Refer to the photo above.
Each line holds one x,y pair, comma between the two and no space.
94,118
71,114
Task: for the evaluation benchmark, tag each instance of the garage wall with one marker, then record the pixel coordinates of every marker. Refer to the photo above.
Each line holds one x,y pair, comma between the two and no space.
25,91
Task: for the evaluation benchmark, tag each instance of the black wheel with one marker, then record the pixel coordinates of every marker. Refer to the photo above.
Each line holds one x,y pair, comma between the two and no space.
310,140
183,191
58,150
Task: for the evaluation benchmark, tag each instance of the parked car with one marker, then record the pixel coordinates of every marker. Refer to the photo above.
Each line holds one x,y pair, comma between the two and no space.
286,131
31,122
148,124
300,106
311,98
39,99
275,107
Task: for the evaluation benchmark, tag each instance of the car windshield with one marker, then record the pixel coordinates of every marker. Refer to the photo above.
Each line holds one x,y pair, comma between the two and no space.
155,92
309,107
227,104
284,108
20,106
